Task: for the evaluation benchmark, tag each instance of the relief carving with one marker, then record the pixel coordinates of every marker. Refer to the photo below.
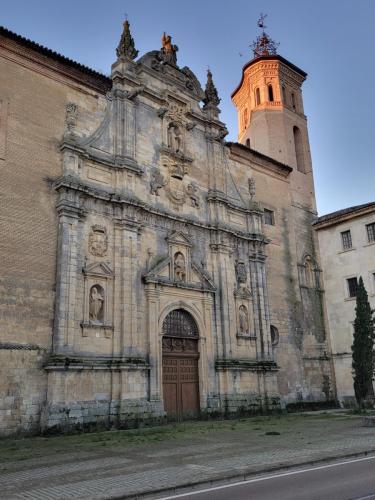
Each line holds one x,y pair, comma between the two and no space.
156,183
98,241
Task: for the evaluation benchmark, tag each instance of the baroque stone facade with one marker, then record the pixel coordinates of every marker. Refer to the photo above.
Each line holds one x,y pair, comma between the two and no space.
142,280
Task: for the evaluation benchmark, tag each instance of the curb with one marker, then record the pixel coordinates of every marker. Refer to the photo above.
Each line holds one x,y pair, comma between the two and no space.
230,477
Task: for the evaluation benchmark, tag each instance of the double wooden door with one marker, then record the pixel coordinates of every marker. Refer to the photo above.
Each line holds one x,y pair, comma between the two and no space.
180,378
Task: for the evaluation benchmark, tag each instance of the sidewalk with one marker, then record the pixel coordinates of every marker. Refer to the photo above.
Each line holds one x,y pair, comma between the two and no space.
126,464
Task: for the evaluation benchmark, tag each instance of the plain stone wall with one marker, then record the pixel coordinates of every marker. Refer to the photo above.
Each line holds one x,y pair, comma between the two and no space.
338,265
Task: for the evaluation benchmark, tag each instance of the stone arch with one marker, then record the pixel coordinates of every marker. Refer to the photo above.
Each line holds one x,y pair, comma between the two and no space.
181,305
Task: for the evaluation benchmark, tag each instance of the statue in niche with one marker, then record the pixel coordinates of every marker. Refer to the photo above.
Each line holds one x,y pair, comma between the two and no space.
243,320
174,138
168,52
179,267
96,304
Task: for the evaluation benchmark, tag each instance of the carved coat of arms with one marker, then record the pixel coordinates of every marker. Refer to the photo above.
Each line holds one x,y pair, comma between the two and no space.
98,241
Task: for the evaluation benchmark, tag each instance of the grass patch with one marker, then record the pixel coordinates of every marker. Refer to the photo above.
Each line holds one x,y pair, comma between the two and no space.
186,432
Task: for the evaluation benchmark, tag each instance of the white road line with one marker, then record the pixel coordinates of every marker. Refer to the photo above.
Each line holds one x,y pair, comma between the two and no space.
265,478
369,497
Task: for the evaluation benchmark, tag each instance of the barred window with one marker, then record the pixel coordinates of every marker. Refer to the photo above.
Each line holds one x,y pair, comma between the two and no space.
371,232
269,217
346,238
352,286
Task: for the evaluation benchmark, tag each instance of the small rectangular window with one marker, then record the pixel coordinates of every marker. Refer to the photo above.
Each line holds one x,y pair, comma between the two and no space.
371,232
269,217
352,286
346,238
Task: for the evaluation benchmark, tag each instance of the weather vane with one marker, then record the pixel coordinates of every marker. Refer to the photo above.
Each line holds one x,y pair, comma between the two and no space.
263,45
261,22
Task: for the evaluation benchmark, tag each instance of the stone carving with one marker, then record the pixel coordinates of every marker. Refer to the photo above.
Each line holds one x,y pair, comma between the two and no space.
168,52
192,193
251,185
179,267
174,137
243,320
98,241
126,47
176,113
241,273
71,116
191,125
96,305
156,183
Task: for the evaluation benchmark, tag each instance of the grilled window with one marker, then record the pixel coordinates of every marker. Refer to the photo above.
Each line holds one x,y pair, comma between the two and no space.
269,217
179,323
371,232
352,286
346,238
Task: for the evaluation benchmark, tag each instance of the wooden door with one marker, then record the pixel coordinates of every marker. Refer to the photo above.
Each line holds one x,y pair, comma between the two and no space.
180,378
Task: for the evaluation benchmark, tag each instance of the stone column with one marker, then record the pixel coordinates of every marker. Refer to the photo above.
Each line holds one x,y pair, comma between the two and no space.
69,278
260,296
154,344
126,287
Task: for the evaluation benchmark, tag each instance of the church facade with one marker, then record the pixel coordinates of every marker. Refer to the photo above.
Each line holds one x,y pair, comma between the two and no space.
151,269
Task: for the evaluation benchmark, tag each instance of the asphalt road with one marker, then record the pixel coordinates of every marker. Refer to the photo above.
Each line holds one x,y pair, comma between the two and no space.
346,480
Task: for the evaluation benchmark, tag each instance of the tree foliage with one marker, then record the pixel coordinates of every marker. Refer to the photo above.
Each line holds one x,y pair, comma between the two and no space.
363,346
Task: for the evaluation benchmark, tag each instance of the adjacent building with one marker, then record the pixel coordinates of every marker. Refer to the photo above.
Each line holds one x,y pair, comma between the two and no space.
347,249
151,269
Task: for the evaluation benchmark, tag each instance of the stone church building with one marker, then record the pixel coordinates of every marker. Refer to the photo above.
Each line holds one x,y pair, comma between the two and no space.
150,269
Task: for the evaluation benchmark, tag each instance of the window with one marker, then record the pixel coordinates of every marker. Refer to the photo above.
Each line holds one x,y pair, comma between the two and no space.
298,147
352,286
248,143
245,117
371,232
270,93
346,239
257,96
269,217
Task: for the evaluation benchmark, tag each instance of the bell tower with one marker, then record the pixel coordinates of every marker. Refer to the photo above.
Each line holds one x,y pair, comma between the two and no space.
269,104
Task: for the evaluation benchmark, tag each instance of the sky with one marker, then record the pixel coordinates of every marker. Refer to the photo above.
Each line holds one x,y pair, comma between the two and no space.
332,40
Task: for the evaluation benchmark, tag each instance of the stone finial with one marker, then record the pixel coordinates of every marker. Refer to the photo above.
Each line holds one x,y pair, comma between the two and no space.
211,98
126,47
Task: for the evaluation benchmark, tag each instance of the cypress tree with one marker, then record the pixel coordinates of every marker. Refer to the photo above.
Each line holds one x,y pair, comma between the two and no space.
363,344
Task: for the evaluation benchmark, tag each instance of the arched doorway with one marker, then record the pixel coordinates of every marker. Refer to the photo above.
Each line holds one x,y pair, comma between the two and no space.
180,366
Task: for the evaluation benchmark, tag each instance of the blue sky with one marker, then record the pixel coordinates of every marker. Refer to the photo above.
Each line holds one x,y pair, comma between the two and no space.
333,41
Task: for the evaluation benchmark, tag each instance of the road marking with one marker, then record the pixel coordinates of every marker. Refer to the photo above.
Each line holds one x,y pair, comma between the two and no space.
365,498
274,476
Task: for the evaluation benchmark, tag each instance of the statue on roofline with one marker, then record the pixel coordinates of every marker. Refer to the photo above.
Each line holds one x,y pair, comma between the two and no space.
168,52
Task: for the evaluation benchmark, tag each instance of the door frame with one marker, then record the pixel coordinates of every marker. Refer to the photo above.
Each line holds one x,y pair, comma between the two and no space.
202,350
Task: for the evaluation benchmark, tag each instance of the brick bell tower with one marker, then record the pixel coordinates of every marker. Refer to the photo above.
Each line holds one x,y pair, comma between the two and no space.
269,104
